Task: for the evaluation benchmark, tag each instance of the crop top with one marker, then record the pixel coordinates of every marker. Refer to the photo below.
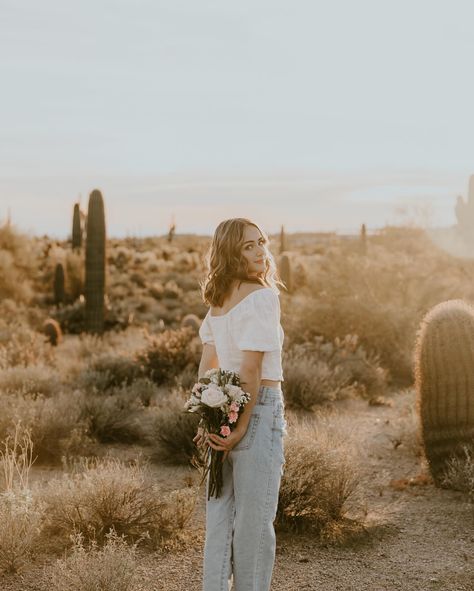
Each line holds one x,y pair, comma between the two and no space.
253,324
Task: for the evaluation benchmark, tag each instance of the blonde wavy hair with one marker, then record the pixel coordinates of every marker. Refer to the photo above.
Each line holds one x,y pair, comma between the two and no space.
225,263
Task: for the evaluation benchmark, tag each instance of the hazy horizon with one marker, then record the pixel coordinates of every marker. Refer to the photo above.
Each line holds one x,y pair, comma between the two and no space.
346,112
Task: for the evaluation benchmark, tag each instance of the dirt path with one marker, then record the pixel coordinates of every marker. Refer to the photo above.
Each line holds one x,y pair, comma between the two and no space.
419,538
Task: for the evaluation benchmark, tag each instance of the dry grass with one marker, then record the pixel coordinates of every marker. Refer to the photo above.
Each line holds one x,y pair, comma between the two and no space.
33,380
108,568
106,494
459,471
317,372
114,417
54,423
320,477
380,297
172,430
17,264
167,355
21,515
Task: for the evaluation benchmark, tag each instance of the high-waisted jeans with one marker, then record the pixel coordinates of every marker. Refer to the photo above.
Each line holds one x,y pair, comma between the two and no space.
240,537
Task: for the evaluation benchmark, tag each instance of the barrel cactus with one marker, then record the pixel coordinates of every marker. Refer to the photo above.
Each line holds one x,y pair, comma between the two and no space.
191,320
95,264
59,292
52,331
285,272
444,362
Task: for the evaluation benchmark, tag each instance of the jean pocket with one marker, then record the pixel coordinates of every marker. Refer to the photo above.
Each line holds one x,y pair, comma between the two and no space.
279,422
249,437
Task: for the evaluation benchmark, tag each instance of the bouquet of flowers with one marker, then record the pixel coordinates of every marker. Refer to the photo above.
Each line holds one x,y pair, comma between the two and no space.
218,399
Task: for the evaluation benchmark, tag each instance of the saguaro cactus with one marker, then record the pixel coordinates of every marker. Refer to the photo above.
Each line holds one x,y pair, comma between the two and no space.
465,211
59,293
95,264
76,228
282,240
363,239
444,362
285,272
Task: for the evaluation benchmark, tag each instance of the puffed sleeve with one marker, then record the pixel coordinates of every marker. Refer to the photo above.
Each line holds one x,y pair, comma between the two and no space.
205,331
257,327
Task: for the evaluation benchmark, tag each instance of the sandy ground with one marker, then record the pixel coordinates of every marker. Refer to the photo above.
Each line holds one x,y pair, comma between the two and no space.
418,537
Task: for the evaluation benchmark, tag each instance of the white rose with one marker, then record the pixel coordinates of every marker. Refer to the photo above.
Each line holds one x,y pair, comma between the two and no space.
213,396
235,392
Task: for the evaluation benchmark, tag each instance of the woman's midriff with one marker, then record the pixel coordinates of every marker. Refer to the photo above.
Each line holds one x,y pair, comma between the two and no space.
271,383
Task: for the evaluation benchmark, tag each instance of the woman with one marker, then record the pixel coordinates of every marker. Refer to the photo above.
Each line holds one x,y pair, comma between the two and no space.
242,332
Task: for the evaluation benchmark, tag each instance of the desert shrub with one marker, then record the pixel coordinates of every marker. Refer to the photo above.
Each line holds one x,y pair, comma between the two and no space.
71,317
406,432
106,494
320,477
167,355
318,371
20,345
108,568
21,515
380,297
459,471
32,381
54,423
115,417
110,370
75,269
21,518
172,431
17,264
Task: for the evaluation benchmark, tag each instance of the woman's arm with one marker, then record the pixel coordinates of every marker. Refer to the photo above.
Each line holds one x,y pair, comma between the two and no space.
250,376
208,359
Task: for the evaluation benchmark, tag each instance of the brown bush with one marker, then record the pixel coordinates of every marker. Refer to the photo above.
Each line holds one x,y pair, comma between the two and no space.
320,477
167,355
319,371
381,297
106,494
172,430
109,568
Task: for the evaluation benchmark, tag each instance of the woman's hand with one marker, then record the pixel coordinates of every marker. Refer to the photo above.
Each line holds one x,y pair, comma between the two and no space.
225,444
199,439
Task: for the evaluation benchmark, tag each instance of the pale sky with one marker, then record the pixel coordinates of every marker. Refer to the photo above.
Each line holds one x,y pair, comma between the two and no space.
317,114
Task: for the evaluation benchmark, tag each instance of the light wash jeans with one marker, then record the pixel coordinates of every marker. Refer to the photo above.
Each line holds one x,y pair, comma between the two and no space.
240,537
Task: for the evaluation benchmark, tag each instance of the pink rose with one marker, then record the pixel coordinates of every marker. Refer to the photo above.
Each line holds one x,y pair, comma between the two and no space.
225,430
233,416
234,407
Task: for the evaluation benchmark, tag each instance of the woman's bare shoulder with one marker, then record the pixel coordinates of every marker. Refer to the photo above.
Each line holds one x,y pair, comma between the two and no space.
247,287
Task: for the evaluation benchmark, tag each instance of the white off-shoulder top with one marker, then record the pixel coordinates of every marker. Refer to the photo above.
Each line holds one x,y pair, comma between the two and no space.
253,324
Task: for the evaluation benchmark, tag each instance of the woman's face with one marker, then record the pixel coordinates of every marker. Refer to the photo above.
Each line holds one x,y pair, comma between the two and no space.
254,250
